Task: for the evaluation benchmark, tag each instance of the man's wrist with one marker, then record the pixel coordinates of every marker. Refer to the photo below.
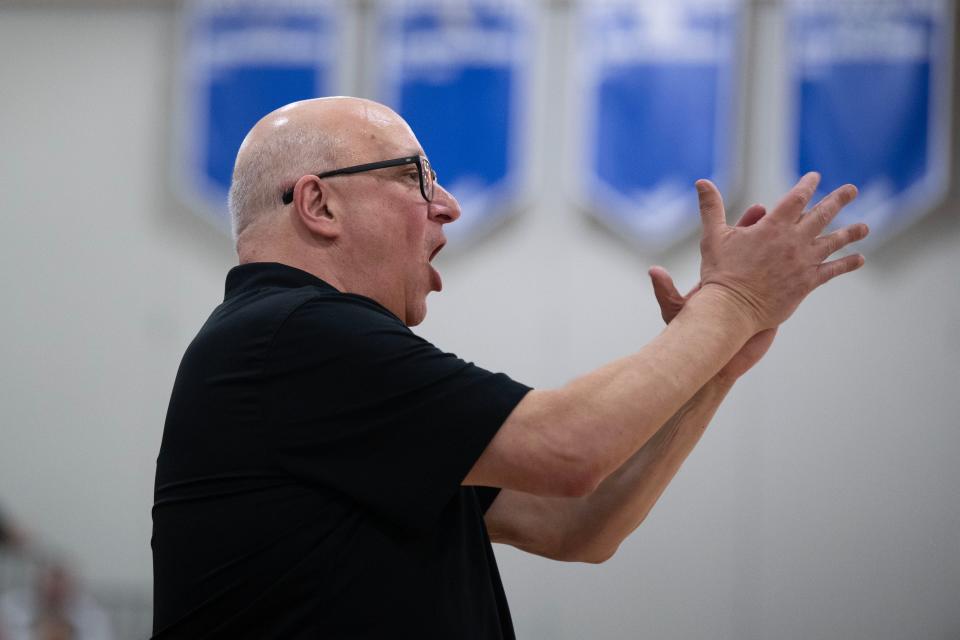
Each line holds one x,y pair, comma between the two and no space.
727,307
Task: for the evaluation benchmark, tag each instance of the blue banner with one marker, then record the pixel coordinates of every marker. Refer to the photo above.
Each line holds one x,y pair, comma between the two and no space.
660,85
457,71
870,89
243,59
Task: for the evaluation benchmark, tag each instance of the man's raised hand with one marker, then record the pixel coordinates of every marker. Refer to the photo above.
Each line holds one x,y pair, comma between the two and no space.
769,267
671,302
668,297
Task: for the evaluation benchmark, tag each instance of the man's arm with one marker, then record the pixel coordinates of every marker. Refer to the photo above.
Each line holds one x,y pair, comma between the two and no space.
591,528
565,442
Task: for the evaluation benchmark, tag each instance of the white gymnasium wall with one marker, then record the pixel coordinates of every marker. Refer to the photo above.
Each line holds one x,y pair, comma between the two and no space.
821,503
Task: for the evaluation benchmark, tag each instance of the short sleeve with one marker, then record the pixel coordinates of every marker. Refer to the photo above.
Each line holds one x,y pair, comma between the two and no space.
359,404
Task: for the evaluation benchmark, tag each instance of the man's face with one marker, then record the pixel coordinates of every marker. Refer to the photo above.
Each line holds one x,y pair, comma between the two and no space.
390,228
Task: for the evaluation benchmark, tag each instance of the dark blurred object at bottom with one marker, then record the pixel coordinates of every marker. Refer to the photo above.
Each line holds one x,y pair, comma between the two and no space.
10,535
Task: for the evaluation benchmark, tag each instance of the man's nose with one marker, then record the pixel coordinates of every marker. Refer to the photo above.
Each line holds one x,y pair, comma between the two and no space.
444,208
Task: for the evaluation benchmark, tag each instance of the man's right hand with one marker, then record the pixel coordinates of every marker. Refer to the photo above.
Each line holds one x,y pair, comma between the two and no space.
768,268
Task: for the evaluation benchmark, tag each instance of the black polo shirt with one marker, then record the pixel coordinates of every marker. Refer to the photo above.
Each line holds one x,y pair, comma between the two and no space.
308,482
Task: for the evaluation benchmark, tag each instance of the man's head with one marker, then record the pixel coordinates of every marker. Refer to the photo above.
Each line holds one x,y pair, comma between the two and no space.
372,233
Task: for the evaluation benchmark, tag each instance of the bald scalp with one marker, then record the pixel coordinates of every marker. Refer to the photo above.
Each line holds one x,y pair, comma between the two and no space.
306,137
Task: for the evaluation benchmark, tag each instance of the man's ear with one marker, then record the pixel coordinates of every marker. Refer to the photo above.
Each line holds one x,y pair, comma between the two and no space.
311,201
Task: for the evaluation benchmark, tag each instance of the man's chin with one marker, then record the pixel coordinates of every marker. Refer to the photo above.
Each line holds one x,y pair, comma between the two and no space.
417,315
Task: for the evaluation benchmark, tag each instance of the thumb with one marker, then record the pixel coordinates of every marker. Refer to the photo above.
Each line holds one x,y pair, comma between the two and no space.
668,297
712,213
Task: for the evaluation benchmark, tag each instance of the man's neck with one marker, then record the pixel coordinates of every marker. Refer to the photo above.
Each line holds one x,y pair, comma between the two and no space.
327,275
318,267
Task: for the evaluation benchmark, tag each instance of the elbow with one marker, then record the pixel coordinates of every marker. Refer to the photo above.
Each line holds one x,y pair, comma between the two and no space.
598,556
593,553
577,469
577,479
566,461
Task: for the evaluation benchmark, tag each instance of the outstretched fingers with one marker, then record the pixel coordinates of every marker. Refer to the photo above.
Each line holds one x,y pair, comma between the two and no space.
792,205
823,213
712,213
833,242
830,270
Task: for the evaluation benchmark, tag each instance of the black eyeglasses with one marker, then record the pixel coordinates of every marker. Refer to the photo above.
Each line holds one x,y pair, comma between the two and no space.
428,177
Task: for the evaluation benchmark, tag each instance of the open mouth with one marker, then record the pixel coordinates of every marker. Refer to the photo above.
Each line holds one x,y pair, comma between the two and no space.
436,251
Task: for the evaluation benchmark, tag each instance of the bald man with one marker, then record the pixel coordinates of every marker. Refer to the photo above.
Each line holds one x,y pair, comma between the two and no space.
325,473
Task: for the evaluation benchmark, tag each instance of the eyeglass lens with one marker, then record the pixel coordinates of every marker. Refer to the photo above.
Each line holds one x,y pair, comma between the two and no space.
429,178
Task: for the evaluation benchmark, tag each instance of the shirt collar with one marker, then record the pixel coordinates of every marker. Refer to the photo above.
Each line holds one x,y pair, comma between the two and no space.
260,275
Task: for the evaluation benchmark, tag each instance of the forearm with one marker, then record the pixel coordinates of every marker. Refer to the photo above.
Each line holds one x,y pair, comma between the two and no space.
595,525
612,412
